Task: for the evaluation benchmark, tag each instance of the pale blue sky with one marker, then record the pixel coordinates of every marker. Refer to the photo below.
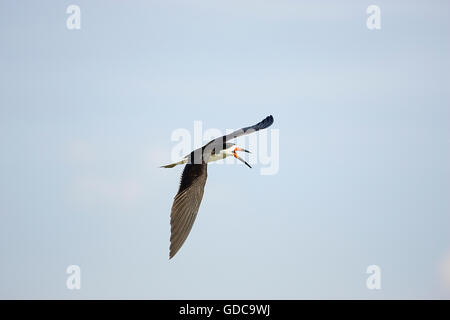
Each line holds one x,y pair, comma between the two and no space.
86,118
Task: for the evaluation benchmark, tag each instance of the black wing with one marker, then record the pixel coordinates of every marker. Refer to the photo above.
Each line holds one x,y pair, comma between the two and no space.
186,204
267,122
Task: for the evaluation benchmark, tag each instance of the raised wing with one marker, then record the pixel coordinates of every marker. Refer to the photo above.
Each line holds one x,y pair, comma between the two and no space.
267,122
186,204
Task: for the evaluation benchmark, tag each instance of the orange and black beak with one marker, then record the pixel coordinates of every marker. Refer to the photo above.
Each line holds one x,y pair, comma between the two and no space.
239,158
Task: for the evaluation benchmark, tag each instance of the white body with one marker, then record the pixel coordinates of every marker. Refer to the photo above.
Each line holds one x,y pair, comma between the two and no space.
221,155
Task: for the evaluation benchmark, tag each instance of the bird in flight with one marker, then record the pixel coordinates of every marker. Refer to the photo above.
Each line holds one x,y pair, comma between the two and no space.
190,192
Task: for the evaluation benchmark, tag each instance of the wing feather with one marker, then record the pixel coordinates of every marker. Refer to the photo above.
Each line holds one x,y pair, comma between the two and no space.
267,122
186,204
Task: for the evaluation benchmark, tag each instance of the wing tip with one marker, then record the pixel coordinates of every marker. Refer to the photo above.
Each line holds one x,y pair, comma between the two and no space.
267,122
173,250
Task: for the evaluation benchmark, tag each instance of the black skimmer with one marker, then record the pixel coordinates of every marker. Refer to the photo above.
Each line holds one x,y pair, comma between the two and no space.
190,193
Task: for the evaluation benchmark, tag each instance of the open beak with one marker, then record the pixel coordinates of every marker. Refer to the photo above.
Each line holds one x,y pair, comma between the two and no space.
242,160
